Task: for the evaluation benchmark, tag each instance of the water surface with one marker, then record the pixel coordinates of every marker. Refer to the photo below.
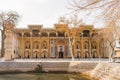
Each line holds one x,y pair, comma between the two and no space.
43,76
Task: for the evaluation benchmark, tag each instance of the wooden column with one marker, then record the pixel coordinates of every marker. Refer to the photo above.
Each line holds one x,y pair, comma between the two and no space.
90,43
98,53
31,43
39,44
22,46
48,45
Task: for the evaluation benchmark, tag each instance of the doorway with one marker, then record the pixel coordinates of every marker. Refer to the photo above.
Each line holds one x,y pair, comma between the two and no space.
61,51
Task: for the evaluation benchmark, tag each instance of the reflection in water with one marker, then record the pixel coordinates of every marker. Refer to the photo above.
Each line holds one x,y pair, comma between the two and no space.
41,76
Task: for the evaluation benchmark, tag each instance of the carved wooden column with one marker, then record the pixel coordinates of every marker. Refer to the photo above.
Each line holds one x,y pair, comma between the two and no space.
65,55
13,45
56,45
48,44
90,43
39,44
31,47
22,46
82,46
98,53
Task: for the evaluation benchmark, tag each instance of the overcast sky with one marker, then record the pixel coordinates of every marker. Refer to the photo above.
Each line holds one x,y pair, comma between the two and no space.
44,12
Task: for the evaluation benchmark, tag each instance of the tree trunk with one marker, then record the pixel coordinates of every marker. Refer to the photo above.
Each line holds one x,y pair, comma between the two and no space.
112,56
71,50
2,42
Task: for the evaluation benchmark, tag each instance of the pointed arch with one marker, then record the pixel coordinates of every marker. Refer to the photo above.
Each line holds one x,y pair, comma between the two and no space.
44,54
86,54
94,54
35,54
77,54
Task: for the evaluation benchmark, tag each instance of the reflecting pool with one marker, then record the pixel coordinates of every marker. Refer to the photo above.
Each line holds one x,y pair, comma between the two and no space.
42,76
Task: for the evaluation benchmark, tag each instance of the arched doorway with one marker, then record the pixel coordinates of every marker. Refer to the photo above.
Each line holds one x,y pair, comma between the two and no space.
77,54
94,54
27,54
60,48
86,54
44,54
35,54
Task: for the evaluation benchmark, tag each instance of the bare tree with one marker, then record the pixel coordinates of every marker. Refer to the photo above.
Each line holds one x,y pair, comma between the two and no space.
71,20
6,18
73,24
108,12
108,35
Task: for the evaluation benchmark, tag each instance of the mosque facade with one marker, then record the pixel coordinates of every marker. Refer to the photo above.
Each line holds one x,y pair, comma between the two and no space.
58,42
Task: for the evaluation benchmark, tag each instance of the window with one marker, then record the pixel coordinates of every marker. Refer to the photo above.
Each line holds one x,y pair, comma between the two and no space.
44,34
86,33
61,34
85,46
44,45
52,42
77,46
52,34
35,33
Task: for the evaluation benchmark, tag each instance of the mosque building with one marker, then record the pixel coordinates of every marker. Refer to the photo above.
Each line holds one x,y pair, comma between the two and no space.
58,42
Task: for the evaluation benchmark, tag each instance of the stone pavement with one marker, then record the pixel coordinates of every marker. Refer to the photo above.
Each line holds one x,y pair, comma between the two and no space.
107,71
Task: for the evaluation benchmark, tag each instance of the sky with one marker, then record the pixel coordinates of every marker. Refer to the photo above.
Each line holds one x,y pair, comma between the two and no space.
45,12
41,12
